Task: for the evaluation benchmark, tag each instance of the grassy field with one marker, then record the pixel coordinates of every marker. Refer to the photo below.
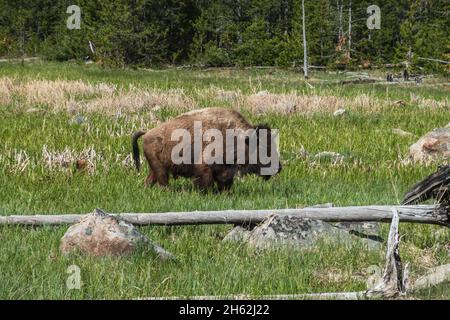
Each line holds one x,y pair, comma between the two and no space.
53,114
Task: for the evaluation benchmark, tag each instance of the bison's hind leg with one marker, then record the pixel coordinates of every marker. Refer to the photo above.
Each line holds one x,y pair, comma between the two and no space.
151,179
159,173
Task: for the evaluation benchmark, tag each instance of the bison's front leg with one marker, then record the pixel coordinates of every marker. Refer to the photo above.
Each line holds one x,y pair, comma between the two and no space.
225,177
225,185
203,177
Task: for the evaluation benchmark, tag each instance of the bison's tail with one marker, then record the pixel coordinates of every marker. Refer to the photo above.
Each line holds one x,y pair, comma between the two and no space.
134,143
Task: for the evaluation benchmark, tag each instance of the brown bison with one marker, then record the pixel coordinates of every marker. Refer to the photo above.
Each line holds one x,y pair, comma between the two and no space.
208,145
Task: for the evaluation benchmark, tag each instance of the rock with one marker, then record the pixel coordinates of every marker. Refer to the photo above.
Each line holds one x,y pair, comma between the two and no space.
365,230
262,93
328,154
303,153
435,145
400,103
227,95
339,112
292,231
238,234
78,119
32,110
334,157
401,132
101,234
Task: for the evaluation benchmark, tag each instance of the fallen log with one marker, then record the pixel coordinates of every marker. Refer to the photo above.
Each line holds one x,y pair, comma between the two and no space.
427,214
359,295
435,60
358,81
432,278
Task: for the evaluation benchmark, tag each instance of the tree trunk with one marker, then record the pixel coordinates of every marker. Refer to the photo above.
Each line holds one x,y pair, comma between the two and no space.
305,53
340,28
350,29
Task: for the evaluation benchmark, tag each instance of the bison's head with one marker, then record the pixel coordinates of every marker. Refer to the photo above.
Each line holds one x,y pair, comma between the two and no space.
262,147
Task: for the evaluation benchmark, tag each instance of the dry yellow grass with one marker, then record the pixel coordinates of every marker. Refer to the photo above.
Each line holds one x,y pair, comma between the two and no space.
6,88
80,96
429,103
74,96
66,159
138,100
293,103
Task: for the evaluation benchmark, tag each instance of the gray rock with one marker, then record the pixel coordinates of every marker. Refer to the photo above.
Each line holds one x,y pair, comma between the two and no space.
329,156
303,153
334,156
33,110
339,112
263,93
363,230
100,234
78,119
433,146
401,132
292,231
238,234
368,228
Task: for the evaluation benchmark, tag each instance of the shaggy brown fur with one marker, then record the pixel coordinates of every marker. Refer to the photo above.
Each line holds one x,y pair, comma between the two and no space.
158,149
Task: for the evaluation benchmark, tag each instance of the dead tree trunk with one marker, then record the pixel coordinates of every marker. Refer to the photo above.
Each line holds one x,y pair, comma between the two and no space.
395,277
428,214
349,29
305,52
340,8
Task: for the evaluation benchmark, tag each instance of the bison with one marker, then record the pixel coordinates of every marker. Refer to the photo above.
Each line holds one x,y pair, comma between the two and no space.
224,145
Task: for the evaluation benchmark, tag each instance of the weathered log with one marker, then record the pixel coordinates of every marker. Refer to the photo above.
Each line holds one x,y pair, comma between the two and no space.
427,214
436,185
433,277
435,60
358,81
317,67
359,295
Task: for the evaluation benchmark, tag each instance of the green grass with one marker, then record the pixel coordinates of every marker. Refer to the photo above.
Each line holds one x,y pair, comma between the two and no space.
31,265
